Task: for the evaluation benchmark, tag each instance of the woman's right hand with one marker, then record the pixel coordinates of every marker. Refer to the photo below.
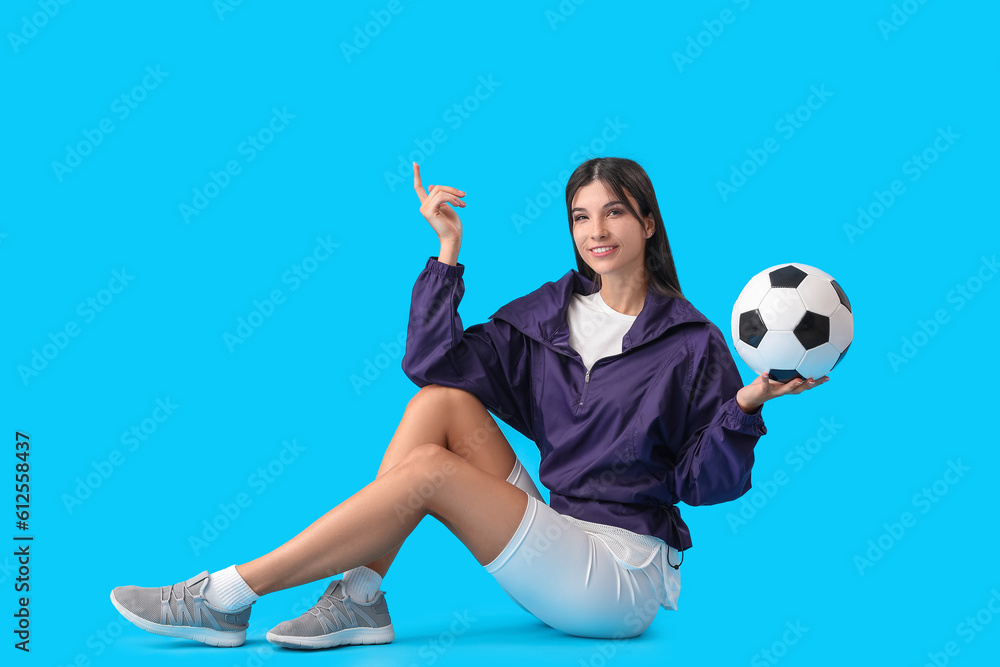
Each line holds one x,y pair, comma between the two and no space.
434,207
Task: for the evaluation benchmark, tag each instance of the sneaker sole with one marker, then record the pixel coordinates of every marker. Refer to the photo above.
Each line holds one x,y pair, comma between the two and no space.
349,636
208,636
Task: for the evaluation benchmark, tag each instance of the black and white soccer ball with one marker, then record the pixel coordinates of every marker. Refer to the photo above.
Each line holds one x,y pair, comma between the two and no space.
792,321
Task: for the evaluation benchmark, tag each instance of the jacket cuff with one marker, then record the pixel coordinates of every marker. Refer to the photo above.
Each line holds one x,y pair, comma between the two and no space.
740,421
439,268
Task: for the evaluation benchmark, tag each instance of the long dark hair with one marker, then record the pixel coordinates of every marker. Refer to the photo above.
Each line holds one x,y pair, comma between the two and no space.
621,175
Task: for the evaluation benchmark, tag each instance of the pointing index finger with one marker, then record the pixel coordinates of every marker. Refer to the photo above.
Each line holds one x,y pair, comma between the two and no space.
417,184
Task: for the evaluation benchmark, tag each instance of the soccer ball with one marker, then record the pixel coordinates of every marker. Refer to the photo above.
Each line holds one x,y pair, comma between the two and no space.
792,321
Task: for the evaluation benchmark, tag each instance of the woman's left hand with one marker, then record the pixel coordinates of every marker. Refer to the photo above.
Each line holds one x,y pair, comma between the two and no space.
762,389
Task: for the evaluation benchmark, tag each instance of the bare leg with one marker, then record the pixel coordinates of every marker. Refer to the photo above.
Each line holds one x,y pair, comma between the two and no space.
456,420
482,510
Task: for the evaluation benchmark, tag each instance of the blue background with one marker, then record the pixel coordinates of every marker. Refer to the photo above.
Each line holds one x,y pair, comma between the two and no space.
560,74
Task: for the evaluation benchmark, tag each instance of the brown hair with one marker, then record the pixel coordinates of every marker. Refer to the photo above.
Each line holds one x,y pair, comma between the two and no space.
622,175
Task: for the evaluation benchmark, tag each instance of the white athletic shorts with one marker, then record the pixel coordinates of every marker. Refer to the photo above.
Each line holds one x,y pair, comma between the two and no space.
572,580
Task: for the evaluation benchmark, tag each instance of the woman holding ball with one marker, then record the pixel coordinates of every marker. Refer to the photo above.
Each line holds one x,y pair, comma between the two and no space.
630,393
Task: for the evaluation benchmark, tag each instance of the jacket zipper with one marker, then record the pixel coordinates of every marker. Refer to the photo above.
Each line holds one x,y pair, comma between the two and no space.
586,383
586,377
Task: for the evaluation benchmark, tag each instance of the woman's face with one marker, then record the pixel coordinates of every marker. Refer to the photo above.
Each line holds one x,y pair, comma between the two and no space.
599,221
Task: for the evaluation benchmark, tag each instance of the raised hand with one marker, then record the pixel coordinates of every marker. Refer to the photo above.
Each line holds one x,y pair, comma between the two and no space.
434,206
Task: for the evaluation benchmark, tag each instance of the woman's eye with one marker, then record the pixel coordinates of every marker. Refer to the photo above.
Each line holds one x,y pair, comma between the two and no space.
614,210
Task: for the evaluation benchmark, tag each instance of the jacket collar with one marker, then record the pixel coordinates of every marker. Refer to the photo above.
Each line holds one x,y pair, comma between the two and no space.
541,314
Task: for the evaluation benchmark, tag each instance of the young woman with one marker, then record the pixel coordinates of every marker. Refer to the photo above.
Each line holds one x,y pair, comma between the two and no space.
630,393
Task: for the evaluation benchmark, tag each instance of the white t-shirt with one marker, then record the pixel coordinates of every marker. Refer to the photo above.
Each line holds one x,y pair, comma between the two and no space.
595,328
596,331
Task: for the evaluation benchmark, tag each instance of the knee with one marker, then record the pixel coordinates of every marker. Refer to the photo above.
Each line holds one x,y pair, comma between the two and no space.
429,461
427,468
437,395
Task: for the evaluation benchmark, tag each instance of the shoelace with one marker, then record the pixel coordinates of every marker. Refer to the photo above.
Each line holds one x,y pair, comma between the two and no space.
172,594
333,614
327,597
198,616
195,616
350,606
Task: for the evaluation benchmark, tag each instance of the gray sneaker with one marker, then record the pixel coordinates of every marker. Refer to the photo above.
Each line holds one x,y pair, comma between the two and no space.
336,620
181,611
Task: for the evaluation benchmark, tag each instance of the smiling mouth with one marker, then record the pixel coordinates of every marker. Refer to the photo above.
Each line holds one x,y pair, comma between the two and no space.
604,251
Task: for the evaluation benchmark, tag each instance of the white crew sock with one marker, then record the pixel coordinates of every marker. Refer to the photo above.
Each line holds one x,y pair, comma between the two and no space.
227,591
362,584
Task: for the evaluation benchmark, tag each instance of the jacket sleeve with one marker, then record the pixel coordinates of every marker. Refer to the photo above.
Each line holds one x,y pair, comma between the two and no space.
716,456
488,360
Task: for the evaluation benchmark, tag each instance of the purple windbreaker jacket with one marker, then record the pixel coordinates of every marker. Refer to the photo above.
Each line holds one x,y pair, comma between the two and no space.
620,445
